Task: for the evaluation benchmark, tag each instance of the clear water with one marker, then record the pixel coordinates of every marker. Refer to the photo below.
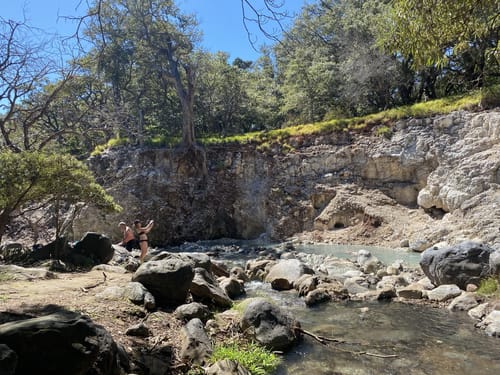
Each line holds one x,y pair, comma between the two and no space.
385,255
425,340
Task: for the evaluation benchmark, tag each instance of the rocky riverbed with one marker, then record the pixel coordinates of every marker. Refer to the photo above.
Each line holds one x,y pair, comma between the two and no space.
154,329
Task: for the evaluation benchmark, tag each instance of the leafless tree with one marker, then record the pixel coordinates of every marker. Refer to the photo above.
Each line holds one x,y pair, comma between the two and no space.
27,66
269,16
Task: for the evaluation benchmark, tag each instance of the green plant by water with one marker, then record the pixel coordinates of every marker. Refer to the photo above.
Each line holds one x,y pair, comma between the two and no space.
255,358
489,286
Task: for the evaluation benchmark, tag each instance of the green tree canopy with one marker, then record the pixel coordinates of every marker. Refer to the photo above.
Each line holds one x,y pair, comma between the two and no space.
433,32
30,180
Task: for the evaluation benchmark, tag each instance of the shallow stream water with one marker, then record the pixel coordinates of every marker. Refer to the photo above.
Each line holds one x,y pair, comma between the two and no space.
424,340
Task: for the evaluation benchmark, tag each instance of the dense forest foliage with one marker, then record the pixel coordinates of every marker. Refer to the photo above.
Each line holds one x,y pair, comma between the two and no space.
135,71
142,74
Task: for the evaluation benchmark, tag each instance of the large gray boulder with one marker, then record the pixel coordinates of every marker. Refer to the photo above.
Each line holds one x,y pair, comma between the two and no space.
232,286
195,259
62,343
285,273
462,264
192,310
168,280
269,325
13,272
95,246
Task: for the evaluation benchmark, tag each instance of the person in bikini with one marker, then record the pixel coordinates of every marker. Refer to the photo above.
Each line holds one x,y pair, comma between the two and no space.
128,241
143,237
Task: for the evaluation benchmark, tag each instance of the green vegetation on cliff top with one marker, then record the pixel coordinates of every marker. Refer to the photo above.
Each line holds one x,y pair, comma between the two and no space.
379,123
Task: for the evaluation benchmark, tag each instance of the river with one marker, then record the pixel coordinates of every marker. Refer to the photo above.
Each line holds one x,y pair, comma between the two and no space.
421,339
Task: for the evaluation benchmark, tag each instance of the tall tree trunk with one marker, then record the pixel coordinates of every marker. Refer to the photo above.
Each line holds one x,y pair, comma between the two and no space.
186,94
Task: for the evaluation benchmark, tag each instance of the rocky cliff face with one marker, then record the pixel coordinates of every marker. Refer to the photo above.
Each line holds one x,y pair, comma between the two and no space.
434,179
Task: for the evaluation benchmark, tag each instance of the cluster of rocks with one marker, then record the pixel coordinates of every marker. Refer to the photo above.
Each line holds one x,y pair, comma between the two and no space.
449,277
196,286
191,283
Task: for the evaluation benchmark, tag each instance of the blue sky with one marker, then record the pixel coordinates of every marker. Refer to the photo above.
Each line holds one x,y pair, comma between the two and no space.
220,20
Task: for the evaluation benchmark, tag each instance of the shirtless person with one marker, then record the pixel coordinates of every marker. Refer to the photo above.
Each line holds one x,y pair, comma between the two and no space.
129,241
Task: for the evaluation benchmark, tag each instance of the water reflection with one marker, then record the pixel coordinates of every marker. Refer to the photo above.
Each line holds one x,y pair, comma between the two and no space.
425,340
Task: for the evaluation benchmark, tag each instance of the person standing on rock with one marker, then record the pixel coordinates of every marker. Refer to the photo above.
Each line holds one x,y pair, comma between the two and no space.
143,236
128,241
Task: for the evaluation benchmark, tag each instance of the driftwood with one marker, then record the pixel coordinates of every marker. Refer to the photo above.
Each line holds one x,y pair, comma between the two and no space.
86,288
321,339
325,340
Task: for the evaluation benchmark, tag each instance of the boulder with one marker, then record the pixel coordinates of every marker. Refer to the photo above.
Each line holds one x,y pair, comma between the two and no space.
480,311
491,323
138,330
317,296
462,264
196,346
258,269
239,273
62,343
95,246
13,272
195,259
285,273
8,360
14,252
444,292
464,302
392,282
353,286
156,361
412,291
168,280
219,269
57,249
495,263
306,284
227,367
204,288
138,294
232,286
269,325
367,262
192,310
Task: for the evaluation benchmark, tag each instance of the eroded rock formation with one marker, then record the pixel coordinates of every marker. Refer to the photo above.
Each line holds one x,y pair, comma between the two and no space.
434,179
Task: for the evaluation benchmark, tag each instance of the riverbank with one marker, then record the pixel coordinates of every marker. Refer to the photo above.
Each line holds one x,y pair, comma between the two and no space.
97,294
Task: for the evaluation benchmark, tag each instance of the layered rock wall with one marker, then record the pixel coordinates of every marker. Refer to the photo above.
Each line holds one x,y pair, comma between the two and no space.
434,179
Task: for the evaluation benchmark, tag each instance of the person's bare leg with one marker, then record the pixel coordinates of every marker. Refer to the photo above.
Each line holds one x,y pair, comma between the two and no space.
144,250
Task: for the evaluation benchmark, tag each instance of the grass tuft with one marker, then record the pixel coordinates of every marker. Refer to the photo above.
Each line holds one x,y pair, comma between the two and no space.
256,359
489,287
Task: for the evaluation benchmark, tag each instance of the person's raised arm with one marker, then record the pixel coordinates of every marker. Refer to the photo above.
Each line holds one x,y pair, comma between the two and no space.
148,227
